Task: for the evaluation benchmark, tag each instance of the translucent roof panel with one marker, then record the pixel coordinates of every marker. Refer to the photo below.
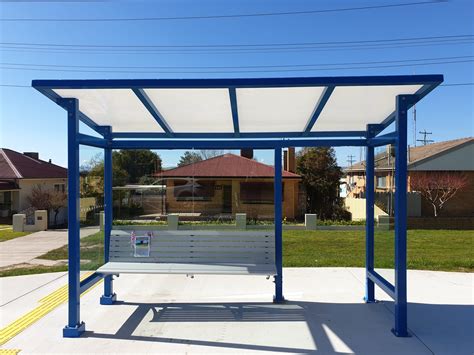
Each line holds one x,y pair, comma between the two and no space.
119,108
194,110
276,109
351,108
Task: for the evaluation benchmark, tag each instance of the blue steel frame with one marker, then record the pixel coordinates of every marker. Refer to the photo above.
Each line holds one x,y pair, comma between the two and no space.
369,138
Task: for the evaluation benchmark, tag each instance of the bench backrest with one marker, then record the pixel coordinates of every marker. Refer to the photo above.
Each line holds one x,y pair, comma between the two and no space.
223,247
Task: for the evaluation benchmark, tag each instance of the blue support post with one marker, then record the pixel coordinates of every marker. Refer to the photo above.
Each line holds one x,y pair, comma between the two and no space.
401,327
109,297
278,298
74,327
369,218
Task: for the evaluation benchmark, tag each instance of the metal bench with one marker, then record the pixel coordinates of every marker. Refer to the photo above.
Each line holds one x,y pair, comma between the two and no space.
193,253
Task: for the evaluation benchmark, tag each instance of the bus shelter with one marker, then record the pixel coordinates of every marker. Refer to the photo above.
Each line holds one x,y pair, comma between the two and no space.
267,113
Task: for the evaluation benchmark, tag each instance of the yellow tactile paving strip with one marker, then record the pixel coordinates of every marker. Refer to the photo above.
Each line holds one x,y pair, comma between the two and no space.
9,351
47,304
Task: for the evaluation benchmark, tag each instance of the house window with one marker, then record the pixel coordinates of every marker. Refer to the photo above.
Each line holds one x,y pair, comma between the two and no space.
257,192
381,182
193,190
60,187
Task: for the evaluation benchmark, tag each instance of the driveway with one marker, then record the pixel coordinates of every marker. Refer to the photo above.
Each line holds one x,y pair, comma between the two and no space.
24,249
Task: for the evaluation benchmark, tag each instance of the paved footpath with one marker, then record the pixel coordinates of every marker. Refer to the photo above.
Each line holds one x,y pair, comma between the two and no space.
25,249
162,314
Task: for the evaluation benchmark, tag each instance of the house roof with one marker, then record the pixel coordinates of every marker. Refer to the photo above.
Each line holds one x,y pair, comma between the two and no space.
8,186
14,165
417,154
226,166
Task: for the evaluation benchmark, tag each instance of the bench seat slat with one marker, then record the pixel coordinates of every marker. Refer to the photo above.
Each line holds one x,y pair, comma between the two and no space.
184,268
195,252
203,239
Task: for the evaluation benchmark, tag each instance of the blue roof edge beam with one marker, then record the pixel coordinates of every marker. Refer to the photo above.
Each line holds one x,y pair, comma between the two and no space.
431,79
145,100
49,93
226,135
318,109
235,111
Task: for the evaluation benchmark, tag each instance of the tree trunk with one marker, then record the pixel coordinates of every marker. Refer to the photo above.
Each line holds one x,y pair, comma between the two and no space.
435,210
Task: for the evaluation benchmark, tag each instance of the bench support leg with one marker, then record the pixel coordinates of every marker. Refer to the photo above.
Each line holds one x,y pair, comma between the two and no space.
278,298
109,296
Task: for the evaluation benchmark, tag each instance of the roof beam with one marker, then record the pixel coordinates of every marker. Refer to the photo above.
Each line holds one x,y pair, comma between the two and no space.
143,97
432,80
318,109
226,135
235,143
235,112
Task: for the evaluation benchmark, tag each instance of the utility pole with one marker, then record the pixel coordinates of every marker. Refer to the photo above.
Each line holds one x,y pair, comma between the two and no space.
350,160
424,140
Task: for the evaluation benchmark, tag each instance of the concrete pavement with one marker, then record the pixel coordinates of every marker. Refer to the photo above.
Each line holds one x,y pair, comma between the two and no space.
23,250
234,314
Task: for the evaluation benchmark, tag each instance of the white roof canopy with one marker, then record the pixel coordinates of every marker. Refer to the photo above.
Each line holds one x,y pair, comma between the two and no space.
219,108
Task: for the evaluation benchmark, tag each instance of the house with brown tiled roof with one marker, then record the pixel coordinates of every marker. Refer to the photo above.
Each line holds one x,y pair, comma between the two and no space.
19,173
229,184
448,156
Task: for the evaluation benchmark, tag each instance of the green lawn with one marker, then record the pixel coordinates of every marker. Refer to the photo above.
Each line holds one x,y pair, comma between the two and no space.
7,233
444,250
440,250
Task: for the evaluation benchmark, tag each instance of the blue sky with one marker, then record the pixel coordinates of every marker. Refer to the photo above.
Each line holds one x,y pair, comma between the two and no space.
30,122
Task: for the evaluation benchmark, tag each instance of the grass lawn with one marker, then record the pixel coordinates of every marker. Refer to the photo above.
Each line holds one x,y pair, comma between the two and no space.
7,233
439,250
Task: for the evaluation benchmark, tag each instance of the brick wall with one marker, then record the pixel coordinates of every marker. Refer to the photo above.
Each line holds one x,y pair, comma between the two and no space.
214,206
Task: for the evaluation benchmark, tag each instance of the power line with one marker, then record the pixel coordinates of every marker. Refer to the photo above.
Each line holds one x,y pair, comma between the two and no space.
457,84
138,51
230,16
238,71
236,67
402,39
30,87
237,49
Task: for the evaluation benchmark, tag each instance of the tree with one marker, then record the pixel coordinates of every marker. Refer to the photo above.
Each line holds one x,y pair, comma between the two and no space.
39,199
320,176
128,166
137,163
437,187
210,153
58,200
189,158
49,200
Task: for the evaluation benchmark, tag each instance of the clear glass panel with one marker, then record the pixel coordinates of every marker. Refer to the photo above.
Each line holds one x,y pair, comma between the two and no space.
351,108
276,109
210,187
91,184
119,108
194,110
